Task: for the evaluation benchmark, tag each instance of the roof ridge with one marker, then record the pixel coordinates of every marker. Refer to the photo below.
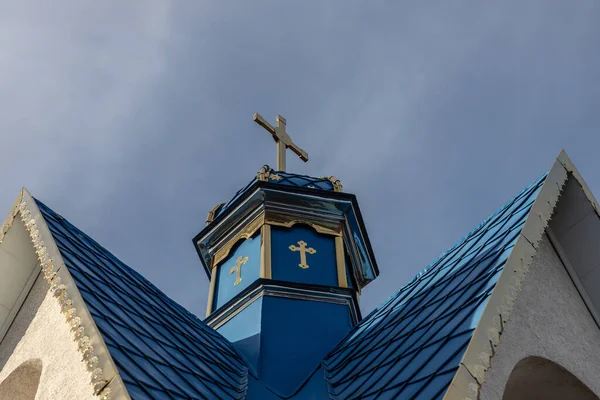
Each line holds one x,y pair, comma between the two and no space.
179,352
456,244
137,275
462,279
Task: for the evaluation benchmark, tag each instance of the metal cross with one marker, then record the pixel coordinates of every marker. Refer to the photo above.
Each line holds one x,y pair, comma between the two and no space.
238,268
283,140
303,250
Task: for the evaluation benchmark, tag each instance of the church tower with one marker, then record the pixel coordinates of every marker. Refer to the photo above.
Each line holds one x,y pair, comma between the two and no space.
287,258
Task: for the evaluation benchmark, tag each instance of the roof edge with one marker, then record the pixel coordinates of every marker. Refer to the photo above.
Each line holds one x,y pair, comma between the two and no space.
476,360
104,376
564,159
8,221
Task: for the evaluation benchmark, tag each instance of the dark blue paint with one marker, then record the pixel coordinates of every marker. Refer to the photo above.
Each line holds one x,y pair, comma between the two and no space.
285,263
296,335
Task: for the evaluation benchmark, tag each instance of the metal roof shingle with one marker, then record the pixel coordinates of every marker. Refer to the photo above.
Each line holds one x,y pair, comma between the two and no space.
411,346
161,350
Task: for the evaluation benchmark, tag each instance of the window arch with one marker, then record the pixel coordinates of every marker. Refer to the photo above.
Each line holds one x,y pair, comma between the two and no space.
23,382
538,378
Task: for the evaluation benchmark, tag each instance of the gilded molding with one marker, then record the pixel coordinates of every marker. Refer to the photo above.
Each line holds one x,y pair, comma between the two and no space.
265,252
337,184
246,233
317,227
250,229
51,268
211,214
266,173
341,263
263,173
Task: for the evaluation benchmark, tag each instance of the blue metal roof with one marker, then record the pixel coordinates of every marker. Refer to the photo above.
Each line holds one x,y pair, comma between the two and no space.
411,346
285,179
161,350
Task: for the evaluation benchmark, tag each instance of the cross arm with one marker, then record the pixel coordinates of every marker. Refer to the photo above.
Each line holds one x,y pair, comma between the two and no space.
301,153
262,122
282,138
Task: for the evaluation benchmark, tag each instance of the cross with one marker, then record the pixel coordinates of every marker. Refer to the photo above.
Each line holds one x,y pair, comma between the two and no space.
238,267
283,140
303,250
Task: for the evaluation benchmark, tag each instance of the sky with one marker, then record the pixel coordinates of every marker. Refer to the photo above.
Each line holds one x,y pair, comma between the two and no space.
133,119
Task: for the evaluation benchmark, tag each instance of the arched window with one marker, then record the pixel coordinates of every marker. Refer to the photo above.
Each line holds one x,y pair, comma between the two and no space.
22,383
539,378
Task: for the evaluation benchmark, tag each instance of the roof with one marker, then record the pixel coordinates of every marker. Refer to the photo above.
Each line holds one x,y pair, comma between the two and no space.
285,179
161,350
412,345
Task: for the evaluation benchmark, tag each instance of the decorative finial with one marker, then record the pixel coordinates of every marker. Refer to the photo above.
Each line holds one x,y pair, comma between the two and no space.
282,138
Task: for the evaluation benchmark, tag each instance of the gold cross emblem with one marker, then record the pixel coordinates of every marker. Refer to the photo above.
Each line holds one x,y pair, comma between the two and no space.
303,250
282,138
238,268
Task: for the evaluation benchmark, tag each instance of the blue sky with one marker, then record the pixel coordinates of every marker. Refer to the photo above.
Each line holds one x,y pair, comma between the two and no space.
133,119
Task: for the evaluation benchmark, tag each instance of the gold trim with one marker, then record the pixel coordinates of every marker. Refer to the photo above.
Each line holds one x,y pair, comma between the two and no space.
337,184
211,214
341,263
211,291
263,173
246,233
319,228
265,251
266,173
238,269
94,354
303,251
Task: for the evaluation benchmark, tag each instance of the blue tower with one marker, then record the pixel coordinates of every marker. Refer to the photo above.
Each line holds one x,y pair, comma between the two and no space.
287,258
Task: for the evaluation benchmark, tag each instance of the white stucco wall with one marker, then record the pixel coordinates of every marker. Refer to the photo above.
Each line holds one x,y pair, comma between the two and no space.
40,331
549,320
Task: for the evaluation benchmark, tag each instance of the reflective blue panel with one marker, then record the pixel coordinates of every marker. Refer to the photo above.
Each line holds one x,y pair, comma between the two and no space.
231,279
161,350
319,256
411,345
244,332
